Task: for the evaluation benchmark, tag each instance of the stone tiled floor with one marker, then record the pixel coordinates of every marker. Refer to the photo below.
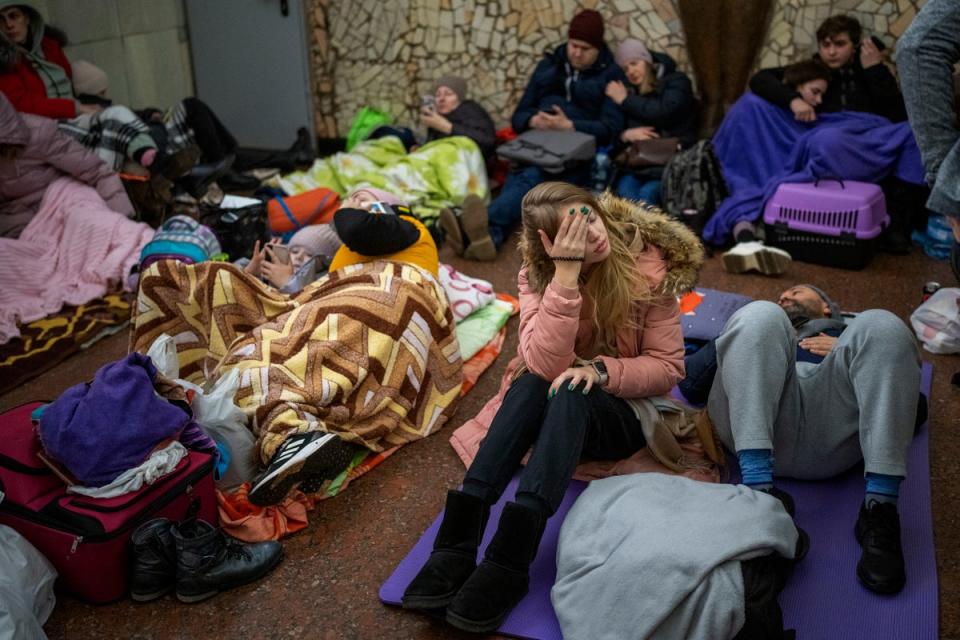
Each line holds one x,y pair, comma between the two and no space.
327,585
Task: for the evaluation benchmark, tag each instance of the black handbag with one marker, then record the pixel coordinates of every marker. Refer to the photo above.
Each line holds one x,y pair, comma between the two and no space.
238,229
552,151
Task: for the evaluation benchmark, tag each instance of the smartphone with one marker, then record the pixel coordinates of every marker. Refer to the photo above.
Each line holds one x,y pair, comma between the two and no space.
379,207
279,253
428,102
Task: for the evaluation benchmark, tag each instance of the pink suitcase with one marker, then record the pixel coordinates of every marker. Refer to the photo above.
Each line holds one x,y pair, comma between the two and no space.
88,539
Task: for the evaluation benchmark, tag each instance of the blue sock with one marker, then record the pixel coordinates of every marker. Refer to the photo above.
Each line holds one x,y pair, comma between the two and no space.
756,467
882,488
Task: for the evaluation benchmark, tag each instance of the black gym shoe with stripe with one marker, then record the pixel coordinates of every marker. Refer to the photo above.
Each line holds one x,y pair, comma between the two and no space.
301,456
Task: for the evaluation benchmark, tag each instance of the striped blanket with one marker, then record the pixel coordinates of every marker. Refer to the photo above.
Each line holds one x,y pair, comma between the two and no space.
368,353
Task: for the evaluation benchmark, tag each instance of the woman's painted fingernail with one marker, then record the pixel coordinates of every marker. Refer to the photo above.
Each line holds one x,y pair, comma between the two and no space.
585,392
570,387
584,210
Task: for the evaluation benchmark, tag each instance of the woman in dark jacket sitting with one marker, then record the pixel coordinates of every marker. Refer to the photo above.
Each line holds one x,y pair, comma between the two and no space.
657,102
451,114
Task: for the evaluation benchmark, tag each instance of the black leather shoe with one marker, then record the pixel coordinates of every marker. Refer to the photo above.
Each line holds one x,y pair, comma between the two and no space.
209,562
881,563
154,560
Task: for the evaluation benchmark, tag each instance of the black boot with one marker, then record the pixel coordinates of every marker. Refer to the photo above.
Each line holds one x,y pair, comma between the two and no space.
154,560
454,555
881,563
209,562
503,578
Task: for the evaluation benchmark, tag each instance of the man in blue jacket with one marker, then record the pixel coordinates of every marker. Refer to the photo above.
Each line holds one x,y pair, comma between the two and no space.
565,93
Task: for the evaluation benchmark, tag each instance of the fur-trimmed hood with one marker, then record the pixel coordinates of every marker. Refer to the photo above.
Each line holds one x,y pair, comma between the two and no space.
681,249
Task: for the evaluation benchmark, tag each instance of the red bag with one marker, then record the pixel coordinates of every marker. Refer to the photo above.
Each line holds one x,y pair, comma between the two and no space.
88,539
290,213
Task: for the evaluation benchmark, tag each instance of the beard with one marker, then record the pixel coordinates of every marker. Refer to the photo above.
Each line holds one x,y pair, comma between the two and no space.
799,313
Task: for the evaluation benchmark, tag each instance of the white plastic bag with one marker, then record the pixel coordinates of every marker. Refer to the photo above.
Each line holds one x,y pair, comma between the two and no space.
937,321
163,354
26,587
215,411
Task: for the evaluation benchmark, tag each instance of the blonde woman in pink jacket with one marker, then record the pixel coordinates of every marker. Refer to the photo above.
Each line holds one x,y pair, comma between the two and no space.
599,328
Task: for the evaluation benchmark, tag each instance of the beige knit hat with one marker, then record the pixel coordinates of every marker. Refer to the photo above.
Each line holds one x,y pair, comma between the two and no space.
88,78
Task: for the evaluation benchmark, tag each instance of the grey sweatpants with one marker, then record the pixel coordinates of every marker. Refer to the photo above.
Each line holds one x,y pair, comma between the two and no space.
819,419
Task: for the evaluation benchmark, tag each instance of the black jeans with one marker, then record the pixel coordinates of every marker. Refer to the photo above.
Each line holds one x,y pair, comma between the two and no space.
561,429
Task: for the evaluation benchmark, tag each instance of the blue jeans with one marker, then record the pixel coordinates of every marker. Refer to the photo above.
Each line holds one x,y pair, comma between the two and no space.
636,188
504,212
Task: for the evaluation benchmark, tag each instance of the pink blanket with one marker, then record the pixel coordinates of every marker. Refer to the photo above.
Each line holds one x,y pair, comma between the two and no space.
74,250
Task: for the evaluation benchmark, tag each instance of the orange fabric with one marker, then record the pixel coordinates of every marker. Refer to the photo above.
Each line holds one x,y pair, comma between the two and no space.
422,253
250,523
316,206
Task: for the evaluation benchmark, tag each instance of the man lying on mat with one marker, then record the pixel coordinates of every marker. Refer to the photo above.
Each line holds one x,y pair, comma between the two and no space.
803,393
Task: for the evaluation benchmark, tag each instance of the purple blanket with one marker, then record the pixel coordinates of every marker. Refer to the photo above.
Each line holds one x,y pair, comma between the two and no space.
760,145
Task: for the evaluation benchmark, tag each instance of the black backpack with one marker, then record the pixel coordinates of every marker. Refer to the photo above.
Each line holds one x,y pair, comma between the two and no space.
693,185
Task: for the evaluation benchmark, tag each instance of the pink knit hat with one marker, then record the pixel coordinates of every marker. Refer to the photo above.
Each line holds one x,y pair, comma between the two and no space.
632,49
316,240
381,195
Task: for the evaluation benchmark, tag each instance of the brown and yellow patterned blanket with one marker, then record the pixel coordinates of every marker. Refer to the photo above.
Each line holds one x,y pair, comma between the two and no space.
368,352
45,343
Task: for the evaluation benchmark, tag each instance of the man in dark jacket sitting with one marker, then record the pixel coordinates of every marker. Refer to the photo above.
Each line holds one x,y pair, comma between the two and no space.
859,81
796,390
565,93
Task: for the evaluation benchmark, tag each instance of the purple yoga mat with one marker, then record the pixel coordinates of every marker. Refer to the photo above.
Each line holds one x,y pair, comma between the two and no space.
822,601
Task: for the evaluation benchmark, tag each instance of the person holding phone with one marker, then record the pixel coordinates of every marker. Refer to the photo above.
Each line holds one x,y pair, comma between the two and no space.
859,79
292,266
448,112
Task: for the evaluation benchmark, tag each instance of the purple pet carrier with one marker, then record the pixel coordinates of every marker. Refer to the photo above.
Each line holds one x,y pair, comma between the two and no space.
831,222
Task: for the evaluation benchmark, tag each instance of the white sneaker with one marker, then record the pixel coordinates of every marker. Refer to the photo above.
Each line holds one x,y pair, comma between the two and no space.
756,256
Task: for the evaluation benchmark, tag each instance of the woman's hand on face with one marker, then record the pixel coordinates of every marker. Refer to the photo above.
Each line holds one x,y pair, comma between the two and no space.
573,377
570,242
636,134
616,91
802,111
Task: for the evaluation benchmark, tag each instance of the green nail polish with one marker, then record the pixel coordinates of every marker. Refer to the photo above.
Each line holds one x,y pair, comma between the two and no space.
584,210
584,391
572,211
570,387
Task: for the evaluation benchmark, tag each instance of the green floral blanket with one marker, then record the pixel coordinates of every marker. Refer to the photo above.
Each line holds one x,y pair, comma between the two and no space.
439,174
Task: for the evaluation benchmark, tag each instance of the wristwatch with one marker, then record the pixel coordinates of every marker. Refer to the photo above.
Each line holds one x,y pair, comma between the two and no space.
601,370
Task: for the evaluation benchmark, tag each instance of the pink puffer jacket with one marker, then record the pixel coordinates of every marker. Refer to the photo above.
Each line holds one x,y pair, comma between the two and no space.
651,356
47,155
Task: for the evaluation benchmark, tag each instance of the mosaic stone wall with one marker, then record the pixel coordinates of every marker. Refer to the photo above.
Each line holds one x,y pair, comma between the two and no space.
386,54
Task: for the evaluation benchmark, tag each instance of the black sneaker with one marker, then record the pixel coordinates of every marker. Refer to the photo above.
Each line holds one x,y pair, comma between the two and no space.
881,564
303,455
